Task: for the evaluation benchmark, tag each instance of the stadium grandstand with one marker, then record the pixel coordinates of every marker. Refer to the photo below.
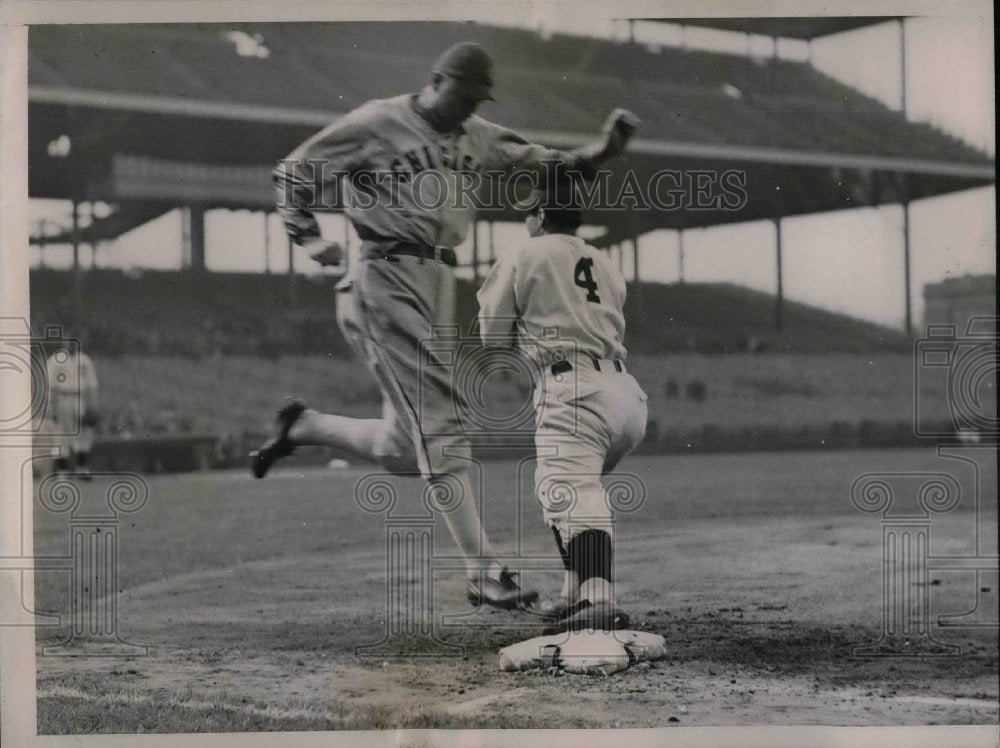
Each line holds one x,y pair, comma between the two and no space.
161,117
151,119
957,301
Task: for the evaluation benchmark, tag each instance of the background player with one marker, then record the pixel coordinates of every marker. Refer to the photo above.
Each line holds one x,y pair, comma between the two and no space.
403,286
72,406
590,412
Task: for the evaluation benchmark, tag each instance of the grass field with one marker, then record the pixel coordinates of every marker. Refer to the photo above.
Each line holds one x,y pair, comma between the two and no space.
252,597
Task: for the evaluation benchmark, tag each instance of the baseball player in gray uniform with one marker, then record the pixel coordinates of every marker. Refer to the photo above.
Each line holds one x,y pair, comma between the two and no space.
402,289
559,301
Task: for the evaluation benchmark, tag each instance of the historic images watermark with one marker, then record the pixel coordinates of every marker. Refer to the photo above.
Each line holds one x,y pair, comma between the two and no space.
961,370
909,504
459,374
27,355
90,564
315,185
414,560
91,561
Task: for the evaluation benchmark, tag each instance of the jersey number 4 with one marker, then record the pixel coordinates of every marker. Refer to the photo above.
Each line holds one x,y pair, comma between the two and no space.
584,278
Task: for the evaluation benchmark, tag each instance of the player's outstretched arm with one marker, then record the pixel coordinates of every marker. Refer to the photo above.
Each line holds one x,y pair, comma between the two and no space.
510,151
618,130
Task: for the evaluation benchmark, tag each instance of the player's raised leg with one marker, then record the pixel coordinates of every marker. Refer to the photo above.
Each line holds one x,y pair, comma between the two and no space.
383,441
378,440
420,432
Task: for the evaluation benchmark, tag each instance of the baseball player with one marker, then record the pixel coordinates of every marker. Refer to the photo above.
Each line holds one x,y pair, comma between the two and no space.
402,289
72,406
559,301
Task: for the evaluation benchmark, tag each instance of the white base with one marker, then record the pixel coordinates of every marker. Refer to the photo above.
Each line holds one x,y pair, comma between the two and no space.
593,652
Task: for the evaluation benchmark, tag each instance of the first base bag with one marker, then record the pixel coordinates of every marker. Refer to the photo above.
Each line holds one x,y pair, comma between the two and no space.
591,652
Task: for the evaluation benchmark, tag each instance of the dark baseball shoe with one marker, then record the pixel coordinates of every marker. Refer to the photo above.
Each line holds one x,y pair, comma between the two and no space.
500,593
586,615
279,445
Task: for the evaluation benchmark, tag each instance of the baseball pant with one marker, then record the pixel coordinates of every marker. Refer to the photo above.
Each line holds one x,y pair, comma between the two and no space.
586,422
397,313
66,408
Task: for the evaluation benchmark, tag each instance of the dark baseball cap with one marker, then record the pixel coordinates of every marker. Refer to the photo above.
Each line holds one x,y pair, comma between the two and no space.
470,65
558,194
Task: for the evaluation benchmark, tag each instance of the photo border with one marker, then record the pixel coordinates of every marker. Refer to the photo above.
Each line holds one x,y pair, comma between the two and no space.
17,644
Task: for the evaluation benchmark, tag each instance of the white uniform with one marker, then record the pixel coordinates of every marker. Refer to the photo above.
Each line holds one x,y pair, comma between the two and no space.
559,301
72,382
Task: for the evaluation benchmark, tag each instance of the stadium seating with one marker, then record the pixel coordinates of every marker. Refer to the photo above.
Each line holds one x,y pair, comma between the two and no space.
199,314
561,83
169,367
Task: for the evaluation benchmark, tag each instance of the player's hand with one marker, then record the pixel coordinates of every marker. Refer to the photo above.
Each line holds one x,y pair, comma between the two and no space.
327,254
619,128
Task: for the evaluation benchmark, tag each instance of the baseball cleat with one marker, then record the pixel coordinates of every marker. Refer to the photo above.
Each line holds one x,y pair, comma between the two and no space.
557,608
278,446
586,615
500,593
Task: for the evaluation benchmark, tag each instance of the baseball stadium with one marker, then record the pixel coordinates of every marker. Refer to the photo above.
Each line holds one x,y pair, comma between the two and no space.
809,522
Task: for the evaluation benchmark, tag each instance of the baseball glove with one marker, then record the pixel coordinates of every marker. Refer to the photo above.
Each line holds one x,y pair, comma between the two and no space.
619,128
327,254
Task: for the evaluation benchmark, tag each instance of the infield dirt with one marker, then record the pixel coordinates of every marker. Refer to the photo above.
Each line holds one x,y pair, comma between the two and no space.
252,597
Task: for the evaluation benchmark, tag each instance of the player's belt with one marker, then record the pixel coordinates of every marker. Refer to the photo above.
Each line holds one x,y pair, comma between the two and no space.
389,250
561,367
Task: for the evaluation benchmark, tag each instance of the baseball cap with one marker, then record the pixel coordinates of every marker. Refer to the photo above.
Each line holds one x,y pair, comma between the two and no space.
559,195
471,65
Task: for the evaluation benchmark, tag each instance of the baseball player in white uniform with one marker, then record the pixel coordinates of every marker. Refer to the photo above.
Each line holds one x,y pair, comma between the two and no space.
559,301
72,406
403,287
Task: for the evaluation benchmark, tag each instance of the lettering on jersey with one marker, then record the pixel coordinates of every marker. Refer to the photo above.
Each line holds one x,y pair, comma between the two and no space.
416,165
426,157
583,276
430,158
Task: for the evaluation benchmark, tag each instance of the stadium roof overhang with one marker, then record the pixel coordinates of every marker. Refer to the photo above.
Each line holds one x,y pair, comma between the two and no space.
195,124
803,28
129,145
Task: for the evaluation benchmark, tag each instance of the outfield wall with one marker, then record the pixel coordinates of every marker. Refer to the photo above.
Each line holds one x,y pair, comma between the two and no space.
177,454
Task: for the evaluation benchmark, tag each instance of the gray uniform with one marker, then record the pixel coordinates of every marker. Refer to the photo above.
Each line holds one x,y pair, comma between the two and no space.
391,302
